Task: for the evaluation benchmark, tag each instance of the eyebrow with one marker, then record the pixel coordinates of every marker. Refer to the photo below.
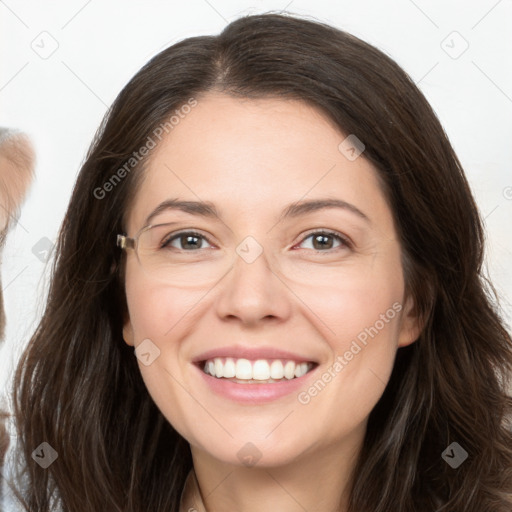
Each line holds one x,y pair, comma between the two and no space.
293,210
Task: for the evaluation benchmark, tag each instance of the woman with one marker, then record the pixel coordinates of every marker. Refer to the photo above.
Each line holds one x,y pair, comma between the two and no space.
268,295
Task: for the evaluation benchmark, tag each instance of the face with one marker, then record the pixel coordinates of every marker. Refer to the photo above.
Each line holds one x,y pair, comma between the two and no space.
262,288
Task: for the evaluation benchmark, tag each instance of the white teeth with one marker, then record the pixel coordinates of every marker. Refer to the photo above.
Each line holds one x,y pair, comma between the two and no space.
218,367
289,370
276,370
259,370
229,370
301,369
243,369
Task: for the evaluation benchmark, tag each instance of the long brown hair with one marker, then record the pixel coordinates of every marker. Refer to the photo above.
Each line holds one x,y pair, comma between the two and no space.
78,387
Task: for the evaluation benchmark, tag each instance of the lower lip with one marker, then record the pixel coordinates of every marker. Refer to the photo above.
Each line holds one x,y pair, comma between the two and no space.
254,393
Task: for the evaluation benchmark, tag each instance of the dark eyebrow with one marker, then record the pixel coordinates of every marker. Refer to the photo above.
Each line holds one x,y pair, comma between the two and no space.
202,208
304,207
207,209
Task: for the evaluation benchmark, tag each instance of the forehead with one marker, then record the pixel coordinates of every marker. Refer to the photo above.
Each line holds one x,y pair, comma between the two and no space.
254,156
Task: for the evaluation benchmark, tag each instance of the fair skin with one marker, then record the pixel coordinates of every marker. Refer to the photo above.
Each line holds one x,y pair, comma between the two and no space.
252,158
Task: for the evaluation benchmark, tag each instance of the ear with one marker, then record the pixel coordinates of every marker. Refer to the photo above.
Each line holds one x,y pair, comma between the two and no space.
128,335
411,324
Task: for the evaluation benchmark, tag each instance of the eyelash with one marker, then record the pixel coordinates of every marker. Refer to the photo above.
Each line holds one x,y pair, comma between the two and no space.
343,239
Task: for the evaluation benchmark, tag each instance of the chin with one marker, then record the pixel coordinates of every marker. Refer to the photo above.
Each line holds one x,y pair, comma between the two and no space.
254,452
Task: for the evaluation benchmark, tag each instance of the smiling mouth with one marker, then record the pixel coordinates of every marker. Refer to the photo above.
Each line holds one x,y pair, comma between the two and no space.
260,371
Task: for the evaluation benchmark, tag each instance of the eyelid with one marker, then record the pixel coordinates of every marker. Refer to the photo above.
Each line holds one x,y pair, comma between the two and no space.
323,231
347,242
175,234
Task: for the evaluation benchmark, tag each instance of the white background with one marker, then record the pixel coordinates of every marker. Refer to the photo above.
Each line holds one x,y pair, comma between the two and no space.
60,99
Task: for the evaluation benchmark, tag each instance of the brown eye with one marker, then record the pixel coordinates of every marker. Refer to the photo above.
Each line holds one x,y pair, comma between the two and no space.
323,241
188,240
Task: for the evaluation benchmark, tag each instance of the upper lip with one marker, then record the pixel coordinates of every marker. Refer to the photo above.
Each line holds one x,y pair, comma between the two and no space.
252,353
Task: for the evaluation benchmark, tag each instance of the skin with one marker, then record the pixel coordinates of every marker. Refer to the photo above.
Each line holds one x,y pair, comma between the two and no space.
252,158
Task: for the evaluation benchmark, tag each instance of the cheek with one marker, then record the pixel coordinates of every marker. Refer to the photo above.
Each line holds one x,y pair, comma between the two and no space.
154,308
358,313
355,302
163,315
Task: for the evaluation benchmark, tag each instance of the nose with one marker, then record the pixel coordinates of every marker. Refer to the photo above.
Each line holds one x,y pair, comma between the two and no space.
252,291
